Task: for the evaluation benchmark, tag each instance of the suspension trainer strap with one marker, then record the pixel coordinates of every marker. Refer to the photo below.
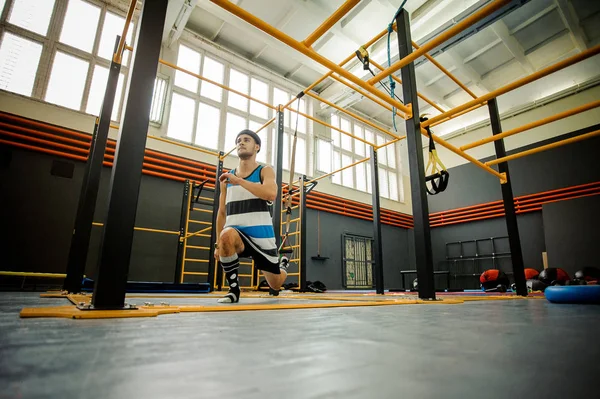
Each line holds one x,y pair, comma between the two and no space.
439,176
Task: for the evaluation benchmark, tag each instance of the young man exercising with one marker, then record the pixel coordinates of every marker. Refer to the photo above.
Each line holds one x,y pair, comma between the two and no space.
244,225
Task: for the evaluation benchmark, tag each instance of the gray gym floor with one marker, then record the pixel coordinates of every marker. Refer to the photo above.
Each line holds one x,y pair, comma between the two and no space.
498,349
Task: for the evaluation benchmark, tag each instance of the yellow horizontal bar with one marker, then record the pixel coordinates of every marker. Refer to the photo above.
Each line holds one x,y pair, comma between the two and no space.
545,147
196,247
33,274
200,222
390,142
292,221
245,275
197,273
144,229
196,260
292,208
451,32
541,122
247,263
293,274
199,233
295,260
309,52
336,171
329,22
202,210
518,83
294,233
207,198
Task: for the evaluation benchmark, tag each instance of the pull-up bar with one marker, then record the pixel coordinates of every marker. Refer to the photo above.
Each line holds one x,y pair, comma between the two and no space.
309,52
545,147
541,122
455,30
329,22
515,85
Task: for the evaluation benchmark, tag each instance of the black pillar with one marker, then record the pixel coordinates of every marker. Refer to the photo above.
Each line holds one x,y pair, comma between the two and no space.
212,263
509,204
183,221
416,166
377,246
117,238
278,160
82,230
303,231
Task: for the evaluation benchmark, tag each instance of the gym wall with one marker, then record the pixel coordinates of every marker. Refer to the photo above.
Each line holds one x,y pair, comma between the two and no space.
566,166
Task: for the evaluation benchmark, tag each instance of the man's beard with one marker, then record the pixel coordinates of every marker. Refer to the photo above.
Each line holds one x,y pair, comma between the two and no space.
245,156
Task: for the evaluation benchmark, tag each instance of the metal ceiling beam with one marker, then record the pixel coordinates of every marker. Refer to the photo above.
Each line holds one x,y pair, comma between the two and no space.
569,18
467,70
279,25
513,45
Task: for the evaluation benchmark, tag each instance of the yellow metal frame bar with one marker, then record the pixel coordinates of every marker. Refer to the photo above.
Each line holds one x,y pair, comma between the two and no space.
309,52
186,230
117,57
545,147
541,122
515,85
329,22
456,29
341,169
444,143
144,229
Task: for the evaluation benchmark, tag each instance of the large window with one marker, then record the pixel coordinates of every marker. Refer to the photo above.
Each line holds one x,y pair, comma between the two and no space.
346,150
75,51
19,59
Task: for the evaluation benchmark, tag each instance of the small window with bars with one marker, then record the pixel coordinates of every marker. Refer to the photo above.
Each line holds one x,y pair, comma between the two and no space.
357,261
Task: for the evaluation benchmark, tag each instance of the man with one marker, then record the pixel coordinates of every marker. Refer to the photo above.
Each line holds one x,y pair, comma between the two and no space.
244,225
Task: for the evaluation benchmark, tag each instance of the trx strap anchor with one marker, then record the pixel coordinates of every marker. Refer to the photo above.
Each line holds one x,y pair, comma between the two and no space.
438,177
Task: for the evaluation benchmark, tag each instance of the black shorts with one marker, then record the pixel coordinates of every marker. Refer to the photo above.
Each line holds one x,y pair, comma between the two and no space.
260,261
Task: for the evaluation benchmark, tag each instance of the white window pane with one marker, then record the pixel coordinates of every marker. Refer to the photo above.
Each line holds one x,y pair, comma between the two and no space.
260,91
361,179
383,184
19,59
281,97
207,129
335,121
158,100
368,167
347,175
97,90
264,136
67,81
190,60
181,118
335,137
359,146
381,153
393,186
239,82
346,140
80,25
324,159
233,126
212,70
33,15
337,177
300,156
113,26
391,155
369,136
